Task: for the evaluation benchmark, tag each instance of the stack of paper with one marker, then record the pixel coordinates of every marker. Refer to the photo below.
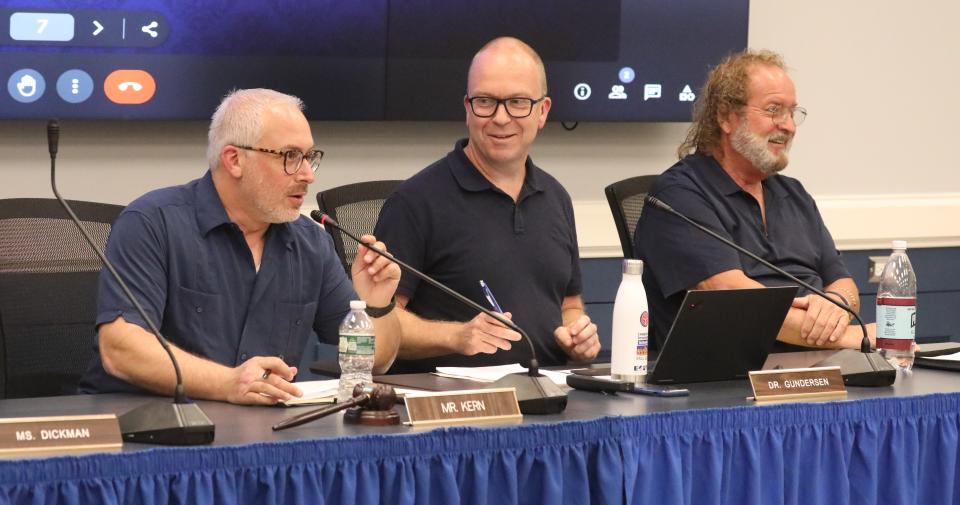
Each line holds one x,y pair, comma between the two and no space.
315,392
495,373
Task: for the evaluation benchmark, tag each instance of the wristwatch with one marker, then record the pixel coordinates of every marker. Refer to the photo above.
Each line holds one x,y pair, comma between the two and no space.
376,312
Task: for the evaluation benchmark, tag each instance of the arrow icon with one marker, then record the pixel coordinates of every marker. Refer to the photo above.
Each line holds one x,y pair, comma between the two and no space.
99,28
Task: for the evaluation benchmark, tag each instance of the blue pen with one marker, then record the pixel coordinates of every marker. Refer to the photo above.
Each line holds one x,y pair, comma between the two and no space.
489,294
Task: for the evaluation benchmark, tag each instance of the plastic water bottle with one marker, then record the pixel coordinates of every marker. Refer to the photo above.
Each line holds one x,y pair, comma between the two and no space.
631,326
897,309
356,350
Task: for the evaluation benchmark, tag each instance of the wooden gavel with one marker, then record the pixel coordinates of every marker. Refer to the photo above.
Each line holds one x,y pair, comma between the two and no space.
368,396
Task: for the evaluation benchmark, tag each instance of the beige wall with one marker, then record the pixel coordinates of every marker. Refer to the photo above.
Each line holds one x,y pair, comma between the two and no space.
877,78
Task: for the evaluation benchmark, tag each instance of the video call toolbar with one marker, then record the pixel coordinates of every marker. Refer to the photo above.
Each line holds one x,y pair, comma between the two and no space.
607,60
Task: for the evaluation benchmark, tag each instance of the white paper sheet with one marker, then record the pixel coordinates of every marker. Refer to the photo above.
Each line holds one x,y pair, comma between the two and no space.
494,373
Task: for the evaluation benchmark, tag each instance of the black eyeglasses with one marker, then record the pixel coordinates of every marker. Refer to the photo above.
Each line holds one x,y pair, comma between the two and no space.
292,158
517,107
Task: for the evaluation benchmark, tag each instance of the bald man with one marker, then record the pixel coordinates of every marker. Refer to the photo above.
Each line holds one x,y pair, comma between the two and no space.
486,212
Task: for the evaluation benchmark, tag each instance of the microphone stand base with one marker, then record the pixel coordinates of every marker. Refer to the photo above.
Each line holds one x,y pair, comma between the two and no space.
536,394
862,369
167,423
359,415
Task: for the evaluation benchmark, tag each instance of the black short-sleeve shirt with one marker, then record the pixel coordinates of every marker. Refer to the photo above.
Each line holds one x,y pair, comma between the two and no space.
191,269
452,223
677,256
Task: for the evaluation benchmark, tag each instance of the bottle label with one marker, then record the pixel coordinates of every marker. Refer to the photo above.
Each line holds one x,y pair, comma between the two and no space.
643,339
640,362
896,323
361,345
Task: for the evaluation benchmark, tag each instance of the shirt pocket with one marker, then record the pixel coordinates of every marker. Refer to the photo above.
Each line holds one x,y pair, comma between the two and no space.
297,318
194,320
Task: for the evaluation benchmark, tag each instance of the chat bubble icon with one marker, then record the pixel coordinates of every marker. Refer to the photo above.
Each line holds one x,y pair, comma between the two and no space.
651,91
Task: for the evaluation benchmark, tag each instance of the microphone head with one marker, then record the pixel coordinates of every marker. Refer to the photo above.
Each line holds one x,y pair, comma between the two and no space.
652,200
53,136
323,219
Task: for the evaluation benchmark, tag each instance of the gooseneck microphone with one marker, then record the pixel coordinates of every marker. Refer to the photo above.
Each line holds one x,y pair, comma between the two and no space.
536,393
863,368
179,423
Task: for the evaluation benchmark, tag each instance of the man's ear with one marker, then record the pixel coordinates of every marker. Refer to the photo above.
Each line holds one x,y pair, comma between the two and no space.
230,161
728,121
544,110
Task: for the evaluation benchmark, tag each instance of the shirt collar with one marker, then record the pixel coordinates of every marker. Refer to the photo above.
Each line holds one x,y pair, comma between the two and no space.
469,177
720,179
210,210
212,214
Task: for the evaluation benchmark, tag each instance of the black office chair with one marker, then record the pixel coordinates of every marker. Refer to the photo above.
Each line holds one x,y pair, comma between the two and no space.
48,294
626,203
356,207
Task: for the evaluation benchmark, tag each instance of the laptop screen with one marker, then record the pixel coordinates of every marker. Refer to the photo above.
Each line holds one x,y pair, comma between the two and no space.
722,334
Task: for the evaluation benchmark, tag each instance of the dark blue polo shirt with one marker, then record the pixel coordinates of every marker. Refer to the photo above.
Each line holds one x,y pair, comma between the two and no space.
677,256
452,223
191,269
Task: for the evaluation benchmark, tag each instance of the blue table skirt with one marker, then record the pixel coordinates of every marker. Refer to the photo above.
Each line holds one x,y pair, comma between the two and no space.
892,450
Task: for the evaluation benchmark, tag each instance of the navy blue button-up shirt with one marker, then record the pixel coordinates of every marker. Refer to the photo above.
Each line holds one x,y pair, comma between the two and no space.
193,272
677,256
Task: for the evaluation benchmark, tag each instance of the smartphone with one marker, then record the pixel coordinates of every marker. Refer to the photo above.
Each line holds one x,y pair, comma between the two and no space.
656,390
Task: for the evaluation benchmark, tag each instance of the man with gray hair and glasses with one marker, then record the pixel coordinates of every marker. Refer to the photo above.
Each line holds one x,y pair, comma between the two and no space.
728,180
233,274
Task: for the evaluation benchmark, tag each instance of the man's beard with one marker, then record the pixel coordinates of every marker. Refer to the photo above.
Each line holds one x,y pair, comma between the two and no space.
754,148
259,195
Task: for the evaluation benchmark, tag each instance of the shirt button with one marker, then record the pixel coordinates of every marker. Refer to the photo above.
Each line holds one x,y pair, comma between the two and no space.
299,321
281,357
243,357
199,309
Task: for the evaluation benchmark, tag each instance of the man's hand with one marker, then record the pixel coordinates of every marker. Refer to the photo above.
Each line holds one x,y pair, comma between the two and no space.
484,334
579,339
374,277
261,380
823,322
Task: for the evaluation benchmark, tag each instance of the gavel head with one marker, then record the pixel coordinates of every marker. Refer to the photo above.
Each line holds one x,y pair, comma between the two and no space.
381,396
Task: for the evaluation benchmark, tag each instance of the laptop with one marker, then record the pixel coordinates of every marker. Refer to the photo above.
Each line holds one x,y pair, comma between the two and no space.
721,334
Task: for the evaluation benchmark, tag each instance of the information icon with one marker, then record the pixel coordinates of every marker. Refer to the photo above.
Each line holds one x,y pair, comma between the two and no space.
582,91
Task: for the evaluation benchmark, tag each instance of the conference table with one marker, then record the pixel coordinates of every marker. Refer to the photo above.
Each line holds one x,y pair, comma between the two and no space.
897,444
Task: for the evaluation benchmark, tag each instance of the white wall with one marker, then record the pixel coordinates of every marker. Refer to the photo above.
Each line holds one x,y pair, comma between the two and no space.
877,78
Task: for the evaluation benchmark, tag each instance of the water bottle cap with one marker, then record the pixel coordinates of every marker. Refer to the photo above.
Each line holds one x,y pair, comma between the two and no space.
900,244
357,304
632,267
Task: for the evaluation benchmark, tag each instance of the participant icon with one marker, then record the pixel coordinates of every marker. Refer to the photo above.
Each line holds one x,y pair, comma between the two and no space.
617,93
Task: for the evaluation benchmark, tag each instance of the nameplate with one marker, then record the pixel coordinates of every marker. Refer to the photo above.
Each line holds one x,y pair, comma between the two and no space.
462,407
797,383
59,433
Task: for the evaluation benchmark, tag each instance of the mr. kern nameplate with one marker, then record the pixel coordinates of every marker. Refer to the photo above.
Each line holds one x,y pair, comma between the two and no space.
460,407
